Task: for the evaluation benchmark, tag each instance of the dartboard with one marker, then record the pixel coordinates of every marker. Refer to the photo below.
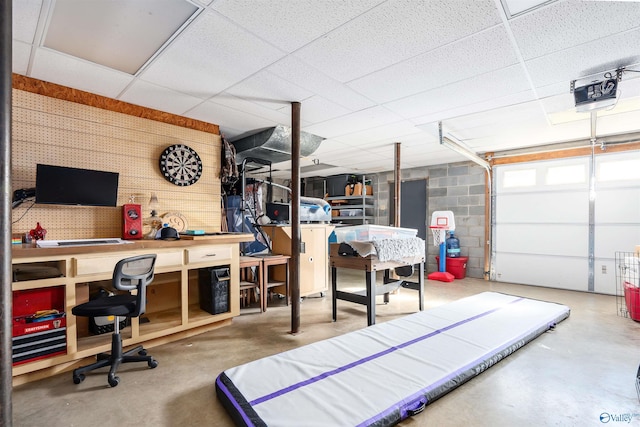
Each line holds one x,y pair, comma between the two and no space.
180,165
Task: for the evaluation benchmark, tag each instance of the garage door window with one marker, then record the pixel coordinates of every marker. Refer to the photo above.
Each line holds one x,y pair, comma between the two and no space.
573,174
619,170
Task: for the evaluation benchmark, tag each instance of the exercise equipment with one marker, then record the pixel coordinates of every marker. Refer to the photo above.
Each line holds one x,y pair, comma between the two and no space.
386,372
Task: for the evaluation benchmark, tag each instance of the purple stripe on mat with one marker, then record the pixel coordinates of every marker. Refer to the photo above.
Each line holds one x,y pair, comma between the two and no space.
233,401
373,356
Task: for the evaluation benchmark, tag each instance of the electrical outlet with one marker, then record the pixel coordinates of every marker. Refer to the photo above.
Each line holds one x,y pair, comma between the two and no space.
604,269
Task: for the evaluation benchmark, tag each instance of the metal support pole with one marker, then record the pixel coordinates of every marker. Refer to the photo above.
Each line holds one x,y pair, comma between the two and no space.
398,181
592,206
296,235
6,15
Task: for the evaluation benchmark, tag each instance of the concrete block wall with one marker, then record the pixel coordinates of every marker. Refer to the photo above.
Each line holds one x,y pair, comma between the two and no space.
458,187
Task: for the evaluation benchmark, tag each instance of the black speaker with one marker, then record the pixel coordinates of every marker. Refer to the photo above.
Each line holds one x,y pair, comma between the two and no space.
213,285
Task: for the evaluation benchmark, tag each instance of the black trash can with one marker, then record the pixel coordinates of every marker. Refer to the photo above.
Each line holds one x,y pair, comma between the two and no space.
213,285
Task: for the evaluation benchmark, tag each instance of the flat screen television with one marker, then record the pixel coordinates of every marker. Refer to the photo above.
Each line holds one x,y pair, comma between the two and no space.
60,185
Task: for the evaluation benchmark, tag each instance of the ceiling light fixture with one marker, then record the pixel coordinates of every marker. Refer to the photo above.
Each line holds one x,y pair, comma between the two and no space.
447,142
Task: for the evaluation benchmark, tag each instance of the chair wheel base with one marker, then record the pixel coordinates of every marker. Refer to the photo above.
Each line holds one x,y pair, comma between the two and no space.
113,381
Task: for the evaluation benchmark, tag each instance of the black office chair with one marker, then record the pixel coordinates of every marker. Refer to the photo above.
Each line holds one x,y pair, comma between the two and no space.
129,274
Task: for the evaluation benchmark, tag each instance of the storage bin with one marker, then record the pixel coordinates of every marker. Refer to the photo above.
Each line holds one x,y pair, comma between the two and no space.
632,300
337,184
368,232
213,286
456,266
350,212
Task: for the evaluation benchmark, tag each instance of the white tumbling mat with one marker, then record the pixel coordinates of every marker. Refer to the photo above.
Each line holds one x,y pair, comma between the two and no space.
384,373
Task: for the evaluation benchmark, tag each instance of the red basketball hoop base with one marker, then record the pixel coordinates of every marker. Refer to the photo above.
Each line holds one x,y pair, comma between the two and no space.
442,276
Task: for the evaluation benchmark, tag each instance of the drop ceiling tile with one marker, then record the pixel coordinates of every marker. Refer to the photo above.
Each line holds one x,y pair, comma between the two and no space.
486,119
119,34
516,7
347,157
514,130
65,70
429,122
202,63
354,160
565,24
20,57
381,133
558,103
630,84
554,89
426,147
225,117
354,122
528,136
268,90
159,98
358,154
386,152
328,147
394,31
423,140
618,123
290,25
418,158
574,63
490,86
25,19
481,53
303,75
317,109
282,116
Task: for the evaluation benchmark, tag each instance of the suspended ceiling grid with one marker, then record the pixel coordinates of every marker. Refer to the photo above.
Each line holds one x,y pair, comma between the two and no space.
368,73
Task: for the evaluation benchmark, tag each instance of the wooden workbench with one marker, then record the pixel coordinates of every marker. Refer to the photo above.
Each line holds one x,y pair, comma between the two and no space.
370,265
173,310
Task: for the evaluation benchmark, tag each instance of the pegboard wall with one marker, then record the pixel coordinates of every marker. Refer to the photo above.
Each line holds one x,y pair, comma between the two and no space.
58,132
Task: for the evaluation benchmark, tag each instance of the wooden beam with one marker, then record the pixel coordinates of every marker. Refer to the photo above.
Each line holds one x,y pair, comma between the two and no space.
65,93
560,154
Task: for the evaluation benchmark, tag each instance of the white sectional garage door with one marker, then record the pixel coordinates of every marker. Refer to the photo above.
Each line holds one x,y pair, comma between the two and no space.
542,222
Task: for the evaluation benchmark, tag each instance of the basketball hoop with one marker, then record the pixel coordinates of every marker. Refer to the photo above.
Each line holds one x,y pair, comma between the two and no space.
439,234
441,222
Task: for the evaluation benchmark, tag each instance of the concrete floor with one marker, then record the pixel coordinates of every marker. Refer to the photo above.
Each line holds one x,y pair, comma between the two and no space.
572,376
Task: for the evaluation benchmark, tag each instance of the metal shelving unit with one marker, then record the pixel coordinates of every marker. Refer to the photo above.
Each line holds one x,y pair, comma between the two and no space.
363,202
